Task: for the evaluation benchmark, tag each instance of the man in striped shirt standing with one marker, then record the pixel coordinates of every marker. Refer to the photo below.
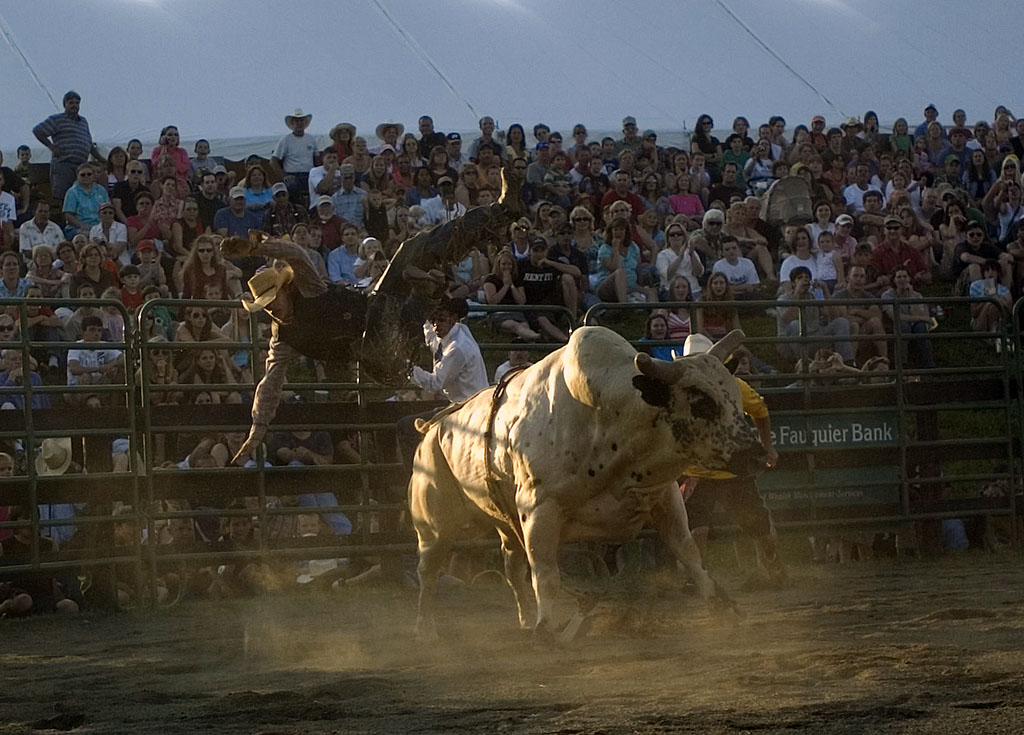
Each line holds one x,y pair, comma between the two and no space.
67,136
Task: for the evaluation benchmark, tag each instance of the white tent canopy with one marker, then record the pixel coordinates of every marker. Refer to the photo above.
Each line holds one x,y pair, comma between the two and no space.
229,71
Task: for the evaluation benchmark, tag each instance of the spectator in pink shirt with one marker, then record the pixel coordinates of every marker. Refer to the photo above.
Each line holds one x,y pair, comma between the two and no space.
169,147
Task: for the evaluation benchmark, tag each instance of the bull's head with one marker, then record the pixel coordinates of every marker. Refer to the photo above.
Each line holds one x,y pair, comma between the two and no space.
700,401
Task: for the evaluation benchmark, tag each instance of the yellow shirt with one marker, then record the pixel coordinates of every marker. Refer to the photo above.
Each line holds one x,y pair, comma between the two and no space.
755,407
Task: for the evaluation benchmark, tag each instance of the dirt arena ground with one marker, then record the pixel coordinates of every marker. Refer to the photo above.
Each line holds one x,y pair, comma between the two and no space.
920,647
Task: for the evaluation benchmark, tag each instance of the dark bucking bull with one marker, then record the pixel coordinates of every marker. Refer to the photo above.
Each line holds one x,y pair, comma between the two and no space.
585,445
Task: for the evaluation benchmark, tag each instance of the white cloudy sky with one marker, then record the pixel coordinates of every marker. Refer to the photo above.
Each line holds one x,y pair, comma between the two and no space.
223,69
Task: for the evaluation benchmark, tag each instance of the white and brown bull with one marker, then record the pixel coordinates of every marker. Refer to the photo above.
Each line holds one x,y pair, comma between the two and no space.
584,445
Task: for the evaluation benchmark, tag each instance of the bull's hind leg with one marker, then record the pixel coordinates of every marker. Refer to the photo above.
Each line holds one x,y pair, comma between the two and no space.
669,518
517,571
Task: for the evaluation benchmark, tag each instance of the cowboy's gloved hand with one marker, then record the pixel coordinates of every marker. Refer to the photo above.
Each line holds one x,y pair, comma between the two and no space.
256,434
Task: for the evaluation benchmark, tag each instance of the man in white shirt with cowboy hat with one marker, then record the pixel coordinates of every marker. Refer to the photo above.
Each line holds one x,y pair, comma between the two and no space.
295,154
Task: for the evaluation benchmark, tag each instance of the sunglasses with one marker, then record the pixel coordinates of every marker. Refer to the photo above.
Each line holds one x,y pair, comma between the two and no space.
204,250
6,327
892,227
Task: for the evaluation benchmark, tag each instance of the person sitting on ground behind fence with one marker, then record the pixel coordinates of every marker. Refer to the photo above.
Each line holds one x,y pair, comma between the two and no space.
816,319
616,278
657,330
208,367
43,326
89,366
113,319
987,316
679,259
713,321
309,448
23,593
13,376
502,288
516,358
911,318
970,255
542,282
240,576
739,271
864,319
894,253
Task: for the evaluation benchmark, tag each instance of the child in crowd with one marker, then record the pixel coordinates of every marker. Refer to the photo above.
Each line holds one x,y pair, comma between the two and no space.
829,262
131,293
151,273
113,320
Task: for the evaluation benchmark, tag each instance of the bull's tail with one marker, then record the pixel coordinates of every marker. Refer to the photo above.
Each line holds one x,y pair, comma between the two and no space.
423,425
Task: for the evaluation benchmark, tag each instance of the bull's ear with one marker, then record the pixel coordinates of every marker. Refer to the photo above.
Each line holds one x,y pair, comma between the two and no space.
652,391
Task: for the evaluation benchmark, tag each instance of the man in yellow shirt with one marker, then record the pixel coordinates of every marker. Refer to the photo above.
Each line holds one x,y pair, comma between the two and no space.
738,495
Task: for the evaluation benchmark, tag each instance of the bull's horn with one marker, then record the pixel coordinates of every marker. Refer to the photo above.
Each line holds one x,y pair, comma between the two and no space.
652,367
723,348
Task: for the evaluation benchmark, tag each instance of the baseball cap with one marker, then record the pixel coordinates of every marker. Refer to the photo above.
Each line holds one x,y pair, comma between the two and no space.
628,120
892,219
387,147
324,199
932,107
537,243
454,136
219,170
445,180
236,192
146,245
347,169
543,144
844,219
278,188
818,118
950,158
650,134
106,205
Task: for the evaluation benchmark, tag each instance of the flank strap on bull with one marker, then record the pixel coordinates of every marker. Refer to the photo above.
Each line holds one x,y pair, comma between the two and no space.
493,491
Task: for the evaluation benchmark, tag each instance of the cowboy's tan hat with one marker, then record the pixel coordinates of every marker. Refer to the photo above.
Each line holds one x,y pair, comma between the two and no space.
264,287
54,456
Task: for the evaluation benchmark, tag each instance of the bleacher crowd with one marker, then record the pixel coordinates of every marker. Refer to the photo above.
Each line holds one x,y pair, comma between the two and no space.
930,207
